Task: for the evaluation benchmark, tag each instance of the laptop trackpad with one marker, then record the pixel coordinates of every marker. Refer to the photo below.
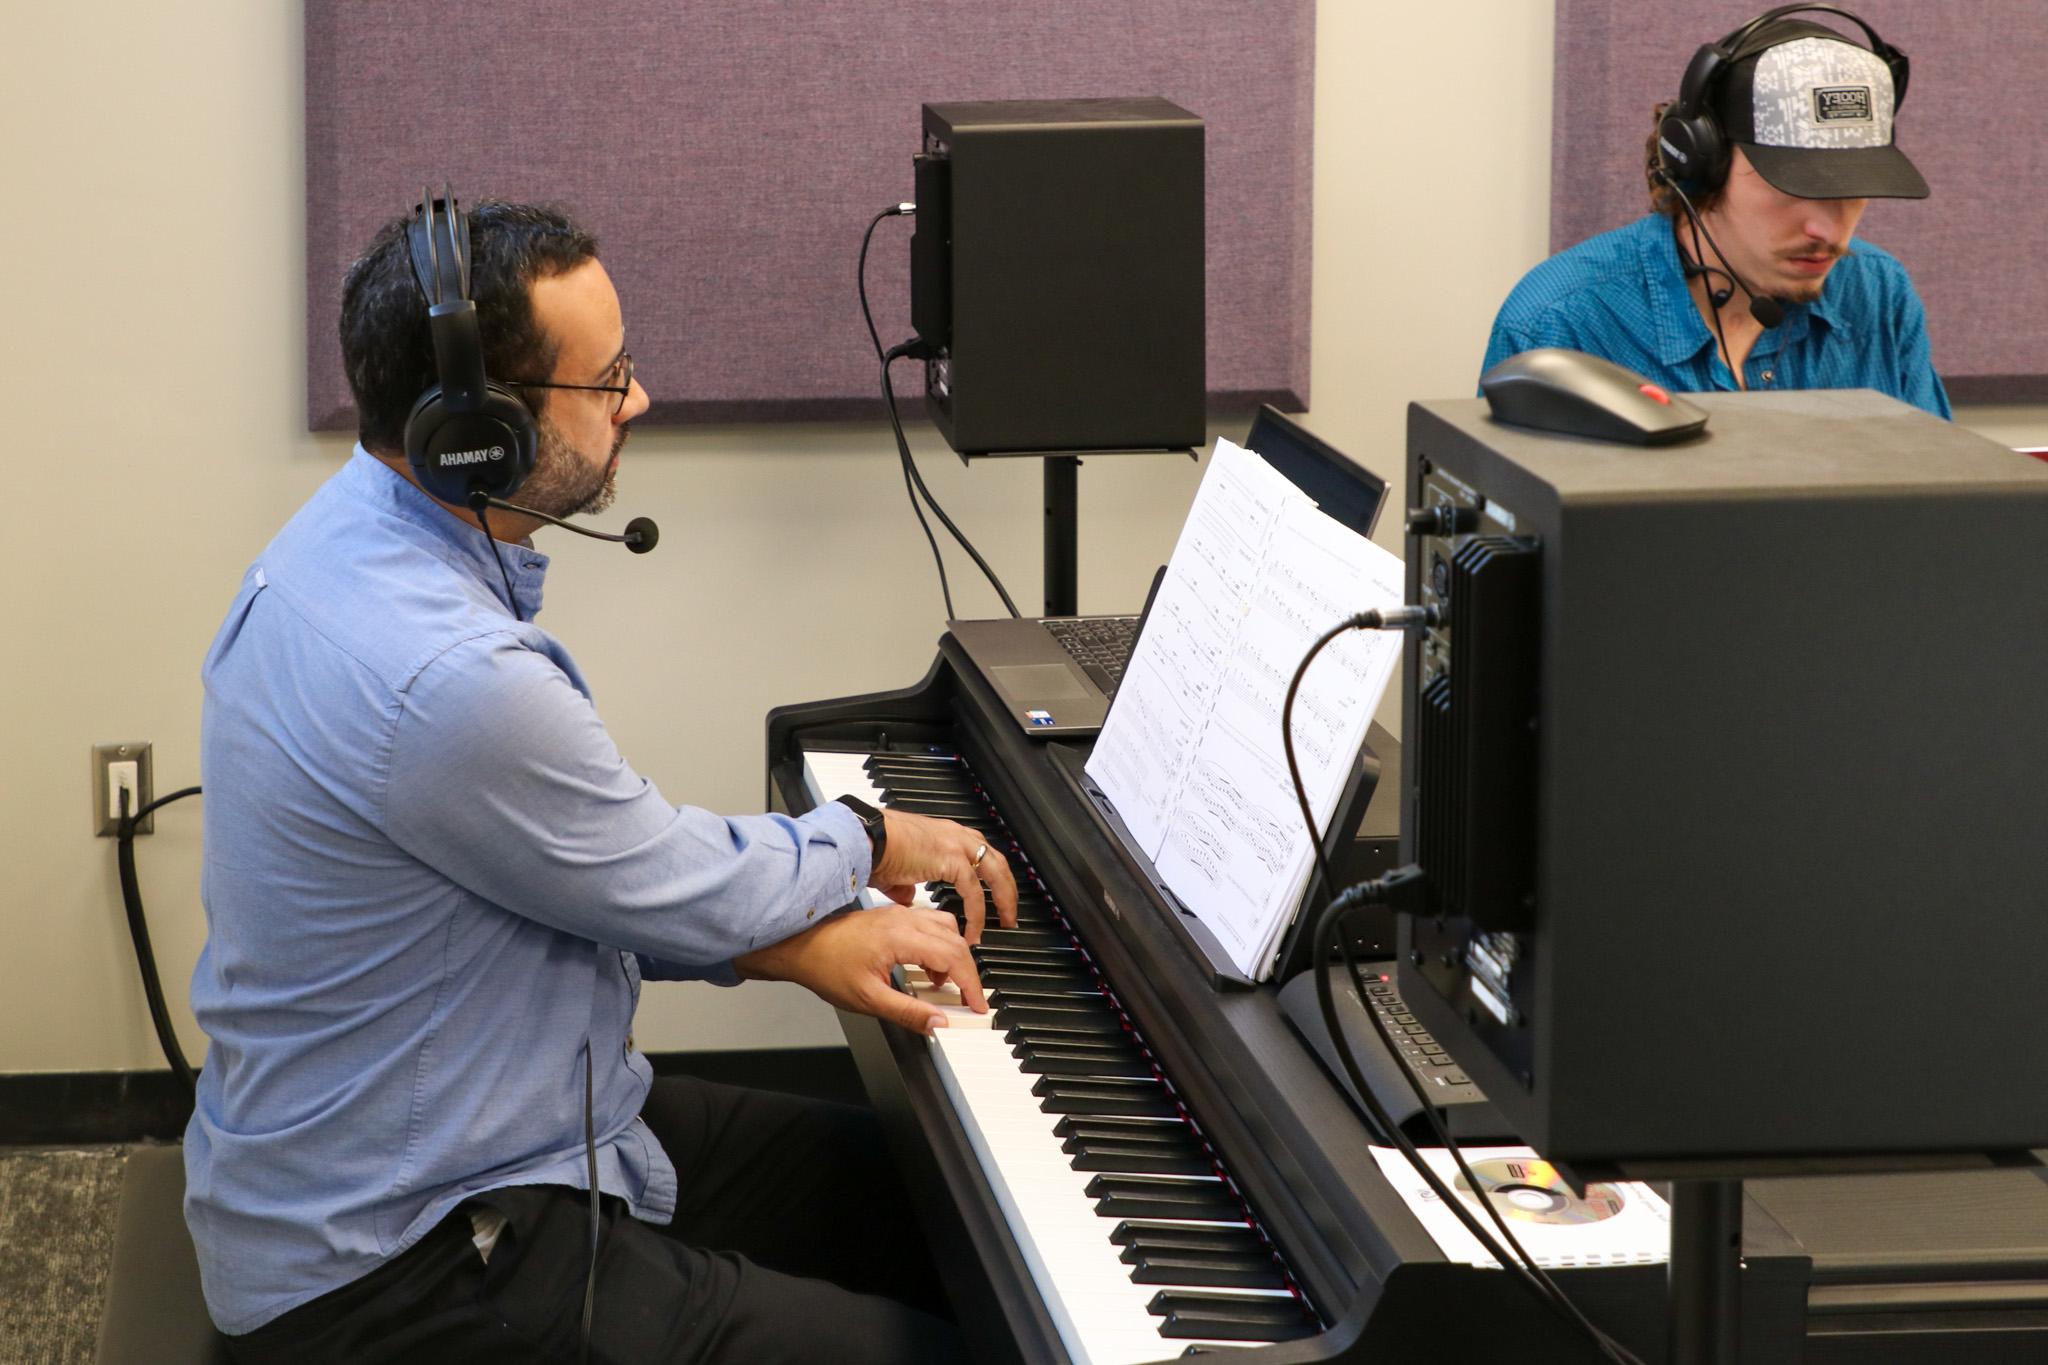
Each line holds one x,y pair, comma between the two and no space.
1040,682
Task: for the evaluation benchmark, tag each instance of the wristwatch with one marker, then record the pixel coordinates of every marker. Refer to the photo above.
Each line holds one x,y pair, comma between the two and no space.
871,821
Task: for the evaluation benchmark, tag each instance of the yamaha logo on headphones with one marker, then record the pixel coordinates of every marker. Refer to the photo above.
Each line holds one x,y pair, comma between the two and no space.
1841,103
449,458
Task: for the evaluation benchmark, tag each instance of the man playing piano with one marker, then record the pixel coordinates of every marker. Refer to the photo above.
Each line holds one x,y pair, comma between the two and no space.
433,887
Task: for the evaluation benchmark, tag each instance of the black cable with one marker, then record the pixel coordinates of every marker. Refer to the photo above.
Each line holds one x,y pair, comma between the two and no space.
861,272
478,501
138,933
903,447
1713,308
1758,305
910,469
1393,886
913,482
590,1157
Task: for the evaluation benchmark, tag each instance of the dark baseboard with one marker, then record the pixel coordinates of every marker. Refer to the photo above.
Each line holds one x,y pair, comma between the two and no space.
825,1073
63,1107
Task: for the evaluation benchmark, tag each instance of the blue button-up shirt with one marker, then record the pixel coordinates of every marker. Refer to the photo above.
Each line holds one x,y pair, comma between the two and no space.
1623,296
429,879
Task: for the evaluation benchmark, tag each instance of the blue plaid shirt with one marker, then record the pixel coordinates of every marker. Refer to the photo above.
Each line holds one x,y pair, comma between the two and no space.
1623,296
429,879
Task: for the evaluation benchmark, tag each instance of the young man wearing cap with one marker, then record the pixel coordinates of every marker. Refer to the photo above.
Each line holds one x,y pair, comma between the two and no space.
1746,273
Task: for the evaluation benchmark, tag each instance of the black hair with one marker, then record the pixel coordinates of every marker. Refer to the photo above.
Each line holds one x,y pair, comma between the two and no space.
385,346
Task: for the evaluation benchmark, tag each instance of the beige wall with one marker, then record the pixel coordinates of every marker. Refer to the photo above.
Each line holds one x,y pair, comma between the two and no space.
152,363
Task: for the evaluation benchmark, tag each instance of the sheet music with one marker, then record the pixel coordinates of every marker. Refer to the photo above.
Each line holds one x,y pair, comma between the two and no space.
1191,752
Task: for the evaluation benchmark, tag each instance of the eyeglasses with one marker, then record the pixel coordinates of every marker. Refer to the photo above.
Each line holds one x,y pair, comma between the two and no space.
622,388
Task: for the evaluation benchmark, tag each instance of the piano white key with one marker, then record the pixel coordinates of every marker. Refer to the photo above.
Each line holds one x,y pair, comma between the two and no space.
1102,1316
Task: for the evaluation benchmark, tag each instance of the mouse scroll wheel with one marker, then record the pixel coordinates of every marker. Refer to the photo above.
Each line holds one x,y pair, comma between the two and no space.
1654,392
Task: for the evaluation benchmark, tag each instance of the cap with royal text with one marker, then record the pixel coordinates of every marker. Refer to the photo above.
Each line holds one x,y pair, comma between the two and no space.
1813,113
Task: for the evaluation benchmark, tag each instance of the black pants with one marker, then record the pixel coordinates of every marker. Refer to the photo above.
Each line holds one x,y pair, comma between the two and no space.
792,1241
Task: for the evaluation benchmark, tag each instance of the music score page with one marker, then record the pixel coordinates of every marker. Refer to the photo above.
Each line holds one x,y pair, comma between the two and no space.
1191,752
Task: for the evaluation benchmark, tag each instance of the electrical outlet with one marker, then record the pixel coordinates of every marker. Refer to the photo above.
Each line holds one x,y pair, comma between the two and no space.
118,767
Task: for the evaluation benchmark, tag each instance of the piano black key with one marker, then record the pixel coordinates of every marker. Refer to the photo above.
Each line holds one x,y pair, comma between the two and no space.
1103,1095
1231,1317
1055,1062
937,781
1139,1158
1246,1247
1222,1272
1169,1236
1163,1196
1000,955
1101,1047
1059,1004
945,895
939,808
1025,938
954,779
1172,1139
1048,1025
1121,1129
1096,1048
1057,982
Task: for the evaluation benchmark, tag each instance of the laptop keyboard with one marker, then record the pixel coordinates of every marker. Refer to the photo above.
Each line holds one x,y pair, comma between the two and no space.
1100,644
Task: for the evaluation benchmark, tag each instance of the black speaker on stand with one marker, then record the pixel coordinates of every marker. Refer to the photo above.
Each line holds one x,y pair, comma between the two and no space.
1057,280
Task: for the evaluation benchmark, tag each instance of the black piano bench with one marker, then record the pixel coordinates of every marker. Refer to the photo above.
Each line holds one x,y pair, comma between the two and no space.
153,1311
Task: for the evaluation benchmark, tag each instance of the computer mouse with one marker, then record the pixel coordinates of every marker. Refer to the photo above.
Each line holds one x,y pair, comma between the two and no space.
1554,389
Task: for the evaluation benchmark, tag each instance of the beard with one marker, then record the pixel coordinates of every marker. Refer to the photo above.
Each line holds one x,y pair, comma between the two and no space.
1800,290
563,483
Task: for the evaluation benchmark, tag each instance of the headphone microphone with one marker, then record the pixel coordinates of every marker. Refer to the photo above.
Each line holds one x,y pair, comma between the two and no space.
641,533
1767,311
1718,297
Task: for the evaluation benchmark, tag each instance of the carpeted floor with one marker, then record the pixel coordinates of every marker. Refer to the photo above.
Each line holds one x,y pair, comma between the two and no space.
57,1211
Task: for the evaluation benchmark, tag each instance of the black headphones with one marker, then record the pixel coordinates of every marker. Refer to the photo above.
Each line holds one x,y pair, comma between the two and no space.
465,435
1692,148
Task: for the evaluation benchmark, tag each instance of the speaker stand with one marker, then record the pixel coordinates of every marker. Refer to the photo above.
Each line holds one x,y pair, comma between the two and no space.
1063,516
1706,1271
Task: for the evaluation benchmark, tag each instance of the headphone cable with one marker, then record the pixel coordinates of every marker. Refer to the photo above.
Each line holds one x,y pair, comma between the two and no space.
1693,266
479,501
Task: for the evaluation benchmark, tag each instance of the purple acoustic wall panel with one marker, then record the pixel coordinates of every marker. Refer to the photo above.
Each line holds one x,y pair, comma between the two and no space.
728,154
1974,122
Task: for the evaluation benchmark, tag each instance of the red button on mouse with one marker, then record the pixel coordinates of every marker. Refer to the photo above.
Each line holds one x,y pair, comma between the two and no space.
1653,391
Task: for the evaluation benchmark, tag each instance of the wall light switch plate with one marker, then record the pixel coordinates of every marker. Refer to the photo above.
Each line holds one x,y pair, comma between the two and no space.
109,771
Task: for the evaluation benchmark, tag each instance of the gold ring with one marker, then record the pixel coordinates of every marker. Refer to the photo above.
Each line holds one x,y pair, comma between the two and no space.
979,854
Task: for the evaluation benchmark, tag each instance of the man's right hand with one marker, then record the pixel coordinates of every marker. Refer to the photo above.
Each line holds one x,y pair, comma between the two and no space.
921,848
846,962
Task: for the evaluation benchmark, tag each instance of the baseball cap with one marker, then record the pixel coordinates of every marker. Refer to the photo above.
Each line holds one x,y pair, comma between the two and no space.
1813,113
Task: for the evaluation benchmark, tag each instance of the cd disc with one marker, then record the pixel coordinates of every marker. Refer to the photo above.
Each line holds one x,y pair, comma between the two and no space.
1533,1192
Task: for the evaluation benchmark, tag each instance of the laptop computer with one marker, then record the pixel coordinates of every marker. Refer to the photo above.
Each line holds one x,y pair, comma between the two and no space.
1057,674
